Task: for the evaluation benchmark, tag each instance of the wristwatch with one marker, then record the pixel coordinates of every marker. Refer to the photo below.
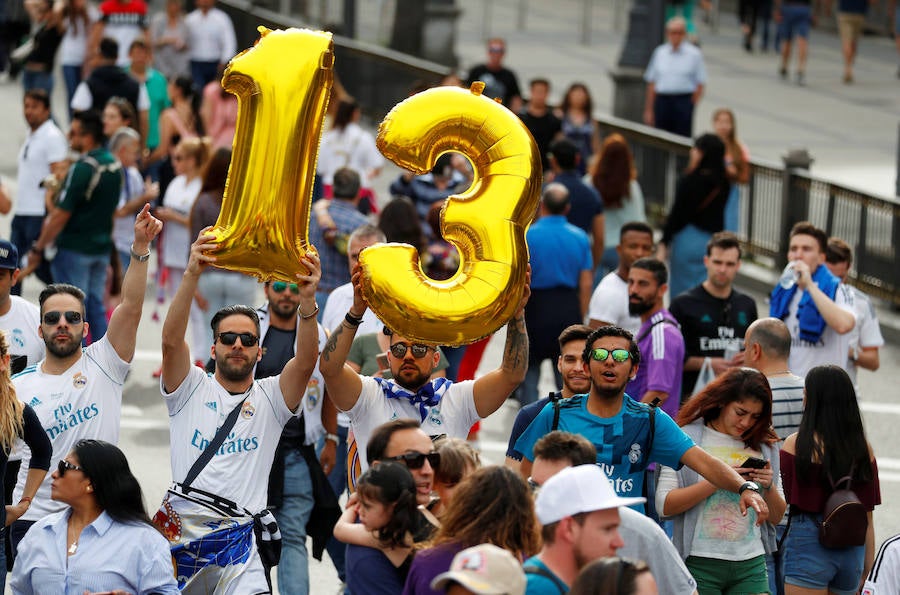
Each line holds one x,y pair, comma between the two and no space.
748,485
140,257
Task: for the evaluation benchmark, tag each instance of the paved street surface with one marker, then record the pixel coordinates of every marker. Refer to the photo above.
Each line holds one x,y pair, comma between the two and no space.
850,130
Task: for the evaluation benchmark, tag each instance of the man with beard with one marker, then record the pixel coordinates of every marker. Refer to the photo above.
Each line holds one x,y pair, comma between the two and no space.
576,381
77,393
627,434
298,488
208,513
441,406
714,316
659,337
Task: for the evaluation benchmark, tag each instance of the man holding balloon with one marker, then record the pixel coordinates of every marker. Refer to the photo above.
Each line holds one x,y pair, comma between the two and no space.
441,406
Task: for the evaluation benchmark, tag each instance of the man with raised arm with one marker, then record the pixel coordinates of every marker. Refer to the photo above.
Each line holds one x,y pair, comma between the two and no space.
441,406
77,392
208,514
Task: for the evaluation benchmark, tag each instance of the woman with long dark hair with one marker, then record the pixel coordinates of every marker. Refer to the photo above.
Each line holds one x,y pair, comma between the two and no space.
104,541
731,418
492,505
697,213
614,176
576,111
829,445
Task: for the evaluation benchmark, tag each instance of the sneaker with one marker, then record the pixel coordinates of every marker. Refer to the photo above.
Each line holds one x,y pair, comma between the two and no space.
783,73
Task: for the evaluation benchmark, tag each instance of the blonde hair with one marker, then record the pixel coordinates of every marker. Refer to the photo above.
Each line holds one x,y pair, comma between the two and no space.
11,408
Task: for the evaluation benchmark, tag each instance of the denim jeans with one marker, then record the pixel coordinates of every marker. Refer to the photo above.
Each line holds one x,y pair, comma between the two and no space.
224,288
24,230
32,79
293,569
17,531
88,273
71,76
775,566
202,73
527,392
338,480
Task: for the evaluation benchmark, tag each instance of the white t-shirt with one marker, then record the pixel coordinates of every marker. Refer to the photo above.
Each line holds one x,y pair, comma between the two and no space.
609,303
83,100
351,147
85,401
866,333
239,471
73,47
884,579
21,327
42,147
453,416
180,196
123,227
211,36
832,348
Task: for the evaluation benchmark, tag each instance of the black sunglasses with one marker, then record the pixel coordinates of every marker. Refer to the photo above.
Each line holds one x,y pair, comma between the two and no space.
65,465
416,460
247,339
279,286
419,350
72,317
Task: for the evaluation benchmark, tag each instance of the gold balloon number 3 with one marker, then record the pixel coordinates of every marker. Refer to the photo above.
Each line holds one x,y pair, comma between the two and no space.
487,223
282,85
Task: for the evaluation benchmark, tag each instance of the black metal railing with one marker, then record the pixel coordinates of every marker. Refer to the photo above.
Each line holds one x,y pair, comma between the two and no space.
776,197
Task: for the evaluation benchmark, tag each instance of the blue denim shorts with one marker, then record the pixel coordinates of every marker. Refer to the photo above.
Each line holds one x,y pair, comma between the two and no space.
795,21
809,565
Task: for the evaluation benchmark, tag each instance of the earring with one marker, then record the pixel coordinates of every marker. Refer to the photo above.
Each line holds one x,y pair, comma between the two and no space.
90,489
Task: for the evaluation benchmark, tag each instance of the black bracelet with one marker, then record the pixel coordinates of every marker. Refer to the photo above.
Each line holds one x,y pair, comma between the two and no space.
353,320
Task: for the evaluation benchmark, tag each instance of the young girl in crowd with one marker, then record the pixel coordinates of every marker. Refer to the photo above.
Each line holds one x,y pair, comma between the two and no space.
189,159
458,460
737,164
731,418
379,546
830,443
578,125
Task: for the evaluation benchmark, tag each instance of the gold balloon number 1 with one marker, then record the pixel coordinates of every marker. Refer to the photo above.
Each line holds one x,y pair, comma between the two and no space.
282,85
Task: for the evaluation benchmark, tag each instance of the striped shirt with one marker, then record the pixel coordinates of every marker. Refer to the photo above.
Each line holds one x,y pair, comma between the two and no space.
662,360
884,578
787,404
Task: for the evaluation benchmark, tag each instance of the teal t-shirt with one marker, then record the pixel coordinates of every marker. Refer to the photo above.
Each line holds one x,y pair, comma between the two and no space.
541,583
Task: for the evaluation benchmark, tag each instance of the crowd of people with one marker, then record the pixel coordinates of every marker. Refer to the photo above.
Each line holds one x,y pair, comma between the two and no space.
692,445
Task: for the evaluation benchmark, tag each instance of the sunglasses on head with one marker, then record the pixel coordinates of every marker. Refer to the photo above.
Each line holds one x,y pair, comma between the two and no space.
279,286
247,339
398,350
416,460
618,355
65,465
72,317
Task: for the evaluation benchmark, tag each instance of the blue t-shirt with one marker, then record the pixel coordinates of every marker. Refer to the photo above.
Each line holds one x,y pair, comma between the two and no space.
369,572
620,440
558,252
538,584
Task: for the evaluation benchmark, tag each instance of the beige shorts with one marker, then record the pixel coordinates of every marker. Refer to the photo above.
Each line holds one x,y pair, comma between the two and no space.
850,25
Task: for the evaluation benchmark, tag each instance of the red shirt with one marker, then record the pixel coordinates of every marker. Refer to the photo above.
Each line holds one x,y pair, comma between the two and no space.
810,496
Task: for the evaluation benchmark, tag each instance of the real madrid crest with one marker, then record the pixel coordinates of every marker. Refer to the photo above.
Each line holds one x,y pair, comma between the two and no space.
247,410
79,380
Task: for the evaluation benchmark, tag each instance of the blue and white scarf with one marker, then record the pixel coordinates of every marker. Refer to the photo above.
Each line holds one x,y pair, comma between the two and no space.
428,395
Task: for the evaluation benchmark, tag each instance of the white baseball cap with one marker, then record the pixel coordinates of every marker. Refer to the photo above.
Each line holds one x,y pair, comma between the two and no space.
484,569
584,488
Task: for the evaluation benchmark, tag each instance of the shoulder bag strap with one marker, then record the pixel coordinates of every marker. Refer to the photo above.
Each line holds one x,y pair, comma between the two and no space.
555,398
207,455
540,571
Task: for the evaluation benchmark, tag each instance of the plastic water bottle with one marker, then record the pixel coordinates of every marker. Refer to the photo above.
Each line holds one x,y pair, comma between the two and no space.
788,277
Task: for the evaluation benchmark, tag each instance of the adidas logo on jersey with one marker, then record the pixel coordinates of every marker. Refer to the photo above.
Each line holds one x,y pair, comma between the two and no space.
212,405
34,402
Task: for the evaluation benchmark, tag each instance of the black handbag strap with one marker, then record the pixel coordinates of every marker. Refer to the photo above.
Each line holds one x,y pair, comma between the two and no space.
210,450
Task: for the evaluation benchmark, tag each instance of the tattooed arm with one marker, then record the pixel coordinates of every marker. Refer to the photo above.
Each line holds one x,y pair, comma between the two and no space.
492,389
341,380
